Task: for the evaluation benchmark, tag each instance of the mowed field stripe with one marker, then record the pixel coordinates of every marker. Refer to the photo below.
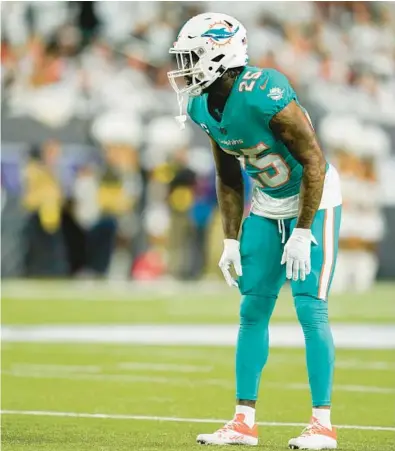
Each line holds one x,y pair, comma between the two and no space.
45,413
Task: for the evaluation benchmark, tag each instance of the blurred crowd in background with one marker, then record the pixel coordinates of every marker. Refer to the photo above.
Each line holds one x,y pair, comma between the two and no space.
97,178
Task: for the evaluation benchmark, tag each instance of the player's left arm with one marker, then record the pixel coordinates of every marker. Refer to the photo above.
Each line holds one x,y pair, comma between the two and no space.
293,128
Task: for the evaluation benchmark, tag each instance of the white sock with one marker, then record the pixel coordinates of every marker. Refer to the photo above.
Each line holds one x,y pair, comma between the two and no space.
249,414
323,416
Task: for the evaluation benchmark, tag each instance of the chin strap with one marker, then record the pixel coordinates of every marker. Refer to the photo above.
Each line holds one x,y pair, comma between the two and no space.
181,118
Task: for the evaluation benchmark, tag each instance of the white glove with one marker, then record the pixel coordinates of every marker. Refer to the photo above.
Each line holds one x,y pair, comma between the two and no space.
297,254
231,256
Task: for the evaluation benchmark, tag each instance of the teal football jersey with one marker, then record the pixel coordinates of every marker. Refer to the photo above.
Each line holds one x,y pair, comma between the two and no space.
244,131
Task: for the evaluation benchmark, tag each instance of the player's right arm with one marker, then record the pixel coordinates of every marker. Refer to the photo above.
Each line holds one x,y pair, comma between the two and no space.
230,193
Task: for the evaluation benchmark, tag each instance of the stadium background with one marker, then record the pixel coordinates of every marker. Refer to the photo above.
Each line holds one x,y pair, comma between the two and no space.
86,106
111,233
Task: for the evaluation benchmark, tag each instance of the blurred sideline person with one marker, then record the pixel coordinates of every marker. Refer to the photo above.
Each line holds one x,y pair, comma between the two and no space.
253,118
181,194
171,181
121,187
13,233
89,230
103,199
179,202
203,209
43,197
356,149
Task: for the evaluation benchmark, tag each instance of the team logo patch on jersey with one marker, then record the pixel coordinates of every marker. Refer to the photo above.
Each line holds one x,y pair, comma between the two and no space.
276,93
220,33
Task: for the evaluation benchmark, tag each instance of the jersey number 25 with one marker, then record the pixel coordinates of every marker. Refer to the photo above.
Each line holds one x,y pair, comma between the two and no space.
249,80
273,171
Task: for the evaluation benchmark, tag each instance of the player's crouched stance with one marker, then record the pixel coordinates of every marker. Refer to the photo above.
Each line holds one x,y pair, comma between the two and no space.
254,120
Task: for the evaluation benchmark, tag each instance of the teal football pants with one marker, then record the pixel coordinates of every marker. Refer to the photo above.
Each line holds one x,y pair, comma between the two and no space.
261,249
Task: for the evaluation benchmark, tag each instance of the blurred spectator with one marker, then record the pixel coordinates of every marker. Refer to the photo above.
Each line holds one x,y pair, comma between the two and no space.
171,182
43,199
86,18
120,182
356,151
89,229
103,198
181,199
205,203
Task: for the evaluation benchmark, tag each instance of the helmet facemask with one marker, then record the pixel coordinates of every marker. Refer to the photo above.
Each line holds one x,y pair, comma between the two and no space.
193,73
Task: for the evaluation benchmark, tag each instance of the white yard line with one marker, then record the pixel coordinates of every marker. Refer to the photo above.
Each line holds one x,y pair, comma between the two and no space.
352,336
347,388
360,365
126,366
173,419
121,378
163,367
50,368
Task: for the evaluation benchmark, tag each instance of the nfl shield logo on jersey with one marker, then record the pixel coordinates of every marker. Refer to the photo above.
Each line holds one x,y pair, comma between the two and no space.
205,128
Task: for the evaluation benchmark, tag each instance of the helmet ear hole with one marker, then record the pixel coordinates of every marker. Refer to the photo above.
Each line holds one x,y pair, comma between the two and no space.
218,58
195,57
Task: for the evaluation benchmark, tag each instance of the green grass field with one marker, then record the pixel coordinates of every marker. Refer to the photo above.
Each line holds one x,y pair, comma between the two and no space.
98,303
77,397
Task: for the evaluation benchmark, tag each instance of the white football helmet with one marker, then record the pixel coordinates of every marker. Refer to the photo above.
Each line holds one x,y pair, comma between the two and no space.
207,45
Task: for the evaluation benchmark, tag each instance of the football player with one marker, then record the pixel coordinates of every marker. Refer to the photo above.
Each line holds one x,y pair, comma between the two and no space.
254,119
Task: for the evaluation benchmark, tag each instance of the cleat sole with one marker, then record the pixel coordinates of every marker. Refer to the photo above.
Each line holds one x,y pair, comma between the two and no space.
203,442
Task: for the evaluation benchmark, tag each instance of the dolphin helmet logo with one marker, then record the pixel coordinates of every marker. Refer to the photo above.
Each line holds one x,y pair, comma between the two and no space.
220,33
